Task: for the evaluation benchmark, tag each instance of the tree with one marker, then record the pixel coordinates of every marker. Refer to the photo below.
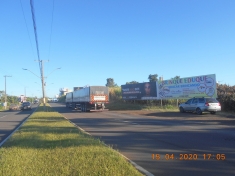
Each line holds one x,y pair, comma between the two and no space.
132,82
153,78
176,77
110,83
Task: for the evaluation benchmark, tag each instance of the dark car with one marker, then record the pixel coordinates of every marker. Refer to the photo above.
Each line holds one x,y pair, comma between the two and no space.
200,105
26,106
35,101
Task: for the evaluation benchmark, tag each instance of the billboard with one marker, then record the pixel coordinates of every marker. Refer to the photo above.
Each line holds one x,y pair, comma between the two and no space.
140,91
184,88
22,98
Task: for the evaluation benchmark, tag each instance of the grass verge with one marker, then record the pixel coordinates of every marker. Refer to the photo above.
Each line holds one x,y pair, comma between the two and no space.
118,105
47,144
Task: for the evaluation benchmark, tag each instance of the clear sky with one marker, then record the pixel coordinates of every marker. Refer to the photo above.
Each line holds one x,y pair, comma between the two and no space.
124,39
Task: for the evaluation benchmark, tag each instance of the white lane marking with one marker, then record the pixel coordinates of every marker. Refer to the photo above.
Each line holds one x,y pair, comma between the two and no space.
3,116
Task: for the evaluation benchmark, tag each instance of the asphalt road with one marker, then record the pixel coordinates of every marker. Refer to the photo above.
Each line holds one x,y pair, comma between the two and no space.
167,143
10,120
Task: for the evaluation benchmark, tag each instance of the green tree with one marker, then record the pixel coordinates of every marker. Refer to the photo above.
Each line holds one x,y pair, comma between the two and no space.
62,99
176,77
110,83
153,78
132,82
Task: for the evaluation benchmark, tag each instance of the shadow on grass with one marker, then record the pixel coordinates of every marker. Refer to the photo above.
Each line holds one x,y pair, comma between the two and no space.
33,136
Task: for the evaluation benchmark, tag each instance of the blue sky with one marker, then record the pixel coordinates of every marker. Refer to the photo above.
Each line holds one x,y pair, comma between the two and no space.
124,39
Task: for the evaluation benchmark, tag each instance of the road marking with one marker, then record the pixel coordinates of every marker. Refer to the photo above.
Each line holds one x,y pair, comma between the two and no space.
3,116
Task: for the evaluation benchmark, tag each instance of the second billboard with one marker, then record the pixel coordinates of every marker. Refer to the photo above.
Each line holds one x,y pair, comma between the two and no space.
140,91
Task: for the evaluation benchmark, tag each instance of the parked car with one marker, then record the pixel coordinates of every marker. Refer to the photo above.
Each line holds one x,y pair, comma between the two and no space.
14,107
25,106
200,105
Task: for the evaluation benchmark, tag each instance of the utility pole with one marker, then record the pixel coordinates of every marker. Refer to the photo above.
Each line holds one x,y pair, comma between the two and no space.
6,91
43,84
42,79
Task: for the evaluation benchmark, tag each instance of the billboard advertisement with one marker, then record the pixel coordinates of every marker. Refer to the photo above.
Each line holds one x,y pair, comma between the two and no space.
184,88
140,91
22,98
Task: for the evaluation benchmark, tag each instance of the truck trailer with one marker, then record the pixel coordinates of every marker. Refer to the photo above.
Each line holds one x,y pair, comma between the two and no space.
92,98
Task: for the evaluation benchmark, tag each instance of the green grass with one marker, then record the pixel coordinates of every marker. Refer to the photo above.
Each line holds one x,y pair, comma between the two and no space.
47,144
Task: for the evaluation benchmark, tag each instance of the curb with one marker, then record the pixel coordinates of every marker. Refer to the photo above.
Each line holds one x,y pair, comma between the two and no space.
16,129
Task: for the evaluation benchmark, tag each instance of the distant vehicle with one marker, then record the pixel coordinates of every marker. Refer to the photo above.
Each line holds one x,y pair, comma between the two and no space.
91,98
35,102
14,107
200,105
26,106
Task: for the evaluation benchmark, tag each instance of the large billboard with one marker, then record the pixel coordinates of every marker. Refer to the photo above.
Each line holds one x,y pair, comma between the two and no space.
140,91
184,88
22,98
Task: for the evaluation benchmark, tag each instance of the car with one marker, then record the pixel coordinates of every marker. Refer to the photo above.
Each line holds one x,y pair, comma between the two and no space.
200,105
14,107
35,102
26,106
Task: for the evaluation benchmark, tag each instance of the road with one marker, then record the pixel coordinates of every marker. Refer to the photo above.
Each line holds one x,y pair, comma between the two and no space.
10,120
164,143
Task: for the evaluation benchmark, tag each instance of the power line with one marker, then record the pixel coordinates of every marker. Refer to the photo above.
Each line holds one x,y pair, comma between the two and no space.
35,33
26,25
51,29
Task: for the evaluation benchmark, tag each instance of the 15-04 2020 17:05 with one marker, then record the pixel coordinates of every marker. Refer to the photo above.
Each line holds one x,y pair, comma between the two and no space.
189,156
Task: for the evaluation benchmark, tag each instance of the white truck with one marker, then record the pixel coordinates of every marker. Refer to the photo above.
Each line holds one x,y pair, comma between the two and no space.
92,98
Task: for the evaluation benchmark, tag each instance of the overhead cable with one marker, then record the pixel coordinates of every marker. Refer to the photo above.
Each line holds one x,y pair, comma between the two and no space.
26,25
51,29
35,33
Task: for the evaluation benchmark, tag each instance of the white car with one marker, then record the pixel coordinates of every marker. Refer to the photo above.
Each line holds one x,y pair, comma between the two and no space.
200,105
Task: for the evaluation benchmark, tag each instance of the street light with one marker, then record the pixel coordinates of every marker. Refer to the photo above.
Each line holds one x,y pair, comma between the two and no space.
31,72
52,72
42,80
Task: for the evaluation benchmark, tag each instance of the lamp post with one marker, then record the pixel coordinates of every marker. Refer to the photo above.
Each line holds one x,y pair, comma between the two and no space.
42,80
52,72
